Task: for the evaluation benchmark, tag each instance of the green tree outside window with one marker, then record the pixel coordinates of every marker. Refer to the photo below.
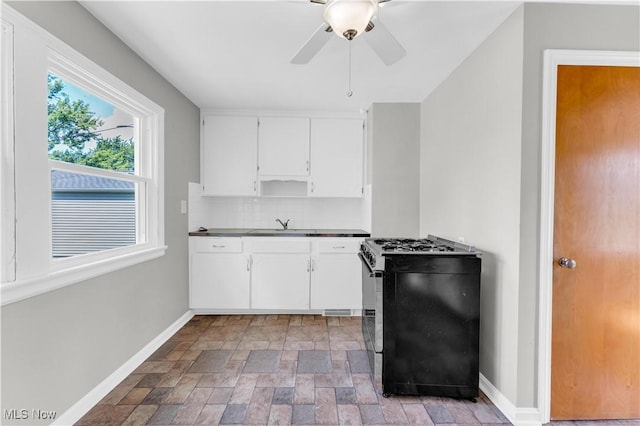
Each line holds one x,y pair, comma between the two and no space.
74,135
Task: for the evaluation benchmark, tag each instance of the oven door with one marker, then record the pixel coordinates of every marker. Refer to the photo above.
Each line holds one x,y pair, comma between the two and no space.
371,307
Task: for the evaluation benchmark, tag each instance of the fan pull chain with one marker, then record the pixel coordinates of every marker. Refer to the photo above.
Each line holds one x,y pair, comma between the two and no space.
349,93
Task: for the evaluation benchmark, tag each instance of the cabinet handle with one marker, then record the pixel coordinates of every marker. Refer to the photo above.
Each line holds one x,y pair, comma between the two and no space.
338,247
307,165
249,263
308,265
255,186
313,265
216,246
313,186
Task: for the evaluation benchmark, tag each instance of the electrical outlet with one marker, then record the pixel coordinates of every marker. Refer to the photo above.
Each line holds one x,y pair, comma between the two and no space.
461,239
183,206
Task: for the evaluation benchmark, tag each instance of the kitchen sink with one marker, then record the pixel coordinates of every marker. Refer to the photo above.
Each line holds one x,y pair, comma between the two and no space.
280,231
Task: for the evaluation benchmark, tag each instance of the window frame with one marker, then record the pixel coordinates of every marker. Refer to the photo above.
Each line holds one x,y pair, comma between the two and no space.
7,151
65,62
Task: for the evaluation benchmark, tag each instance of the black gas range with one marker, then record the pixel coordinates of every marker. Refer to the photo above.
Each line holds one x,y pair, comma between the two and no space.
374,250
421,315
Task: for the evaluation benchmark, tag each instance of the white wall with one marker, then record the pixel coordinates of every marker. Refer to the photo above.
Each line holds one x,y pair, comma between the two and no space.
58,346
470,183
393,165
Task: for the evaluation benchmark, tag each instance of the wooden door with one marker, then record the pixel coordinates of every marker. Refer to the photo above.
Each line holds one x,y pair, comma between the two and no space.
595,362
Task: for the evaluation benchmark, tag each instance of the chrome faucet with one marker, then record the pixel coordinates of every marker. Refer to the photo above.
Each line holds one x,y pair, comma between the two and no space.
285,225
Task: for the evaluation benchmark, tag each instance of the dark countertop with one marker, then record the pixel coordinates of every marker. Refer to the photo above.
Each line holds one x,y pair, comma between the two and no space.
242,232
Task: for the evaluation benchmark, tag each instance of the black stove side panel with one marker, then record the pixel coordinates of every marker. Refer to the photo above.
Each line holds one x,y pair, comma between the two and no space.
431,325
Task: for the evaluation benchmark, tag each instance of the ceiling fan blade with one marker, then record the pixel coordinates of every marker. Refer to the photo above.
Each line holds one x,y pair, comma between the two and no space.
313,45
385,44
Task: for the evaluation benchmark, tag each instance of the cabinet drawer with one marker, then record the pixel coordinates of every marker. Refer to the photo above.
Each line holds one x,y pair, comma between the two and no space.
343,245
278,245
218,245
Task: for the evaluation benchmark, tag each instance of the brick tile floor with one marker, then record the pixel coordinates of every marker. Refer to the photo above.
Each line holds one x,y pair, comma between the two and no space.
271,369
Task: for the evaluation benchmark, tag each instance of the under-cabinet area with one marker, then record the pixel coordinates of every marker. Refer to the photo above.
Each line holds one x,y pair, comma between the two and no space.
275,274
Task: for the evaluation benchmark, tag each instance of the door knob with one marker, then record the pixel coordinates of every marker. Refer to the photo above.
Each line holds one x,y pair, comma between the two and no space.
567,263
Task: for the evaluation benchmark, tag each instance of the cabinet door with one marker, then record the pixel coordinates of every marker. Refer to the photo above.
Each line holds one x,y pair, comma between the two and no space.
219,281
337,157
230,155
336,281
283,146
280,281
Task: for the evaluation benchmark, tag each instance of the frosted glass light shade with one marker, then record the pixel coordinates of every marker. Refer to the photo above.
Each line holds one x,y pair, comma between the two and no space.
345,15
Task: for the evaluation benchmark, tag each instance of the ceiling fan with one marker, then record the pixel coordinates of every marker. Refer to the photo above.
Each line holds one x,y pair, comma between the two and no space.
349,19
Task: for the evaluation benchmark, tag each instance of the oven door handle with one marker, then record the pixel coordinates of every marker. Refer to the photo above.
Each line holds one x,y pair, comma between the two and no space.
372,273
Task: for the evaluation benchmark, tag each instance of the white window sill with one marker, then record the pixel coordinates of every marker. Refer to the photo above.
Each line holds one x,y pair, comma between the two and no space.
22,289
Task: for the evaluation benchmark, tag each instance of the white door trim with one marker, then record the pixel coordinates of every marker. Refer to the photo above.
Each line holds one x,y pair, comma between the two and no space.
553,58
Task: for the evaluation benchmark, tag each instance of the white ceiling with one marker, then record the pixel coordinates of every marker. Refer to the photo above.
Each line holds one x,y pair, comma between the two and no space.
235,54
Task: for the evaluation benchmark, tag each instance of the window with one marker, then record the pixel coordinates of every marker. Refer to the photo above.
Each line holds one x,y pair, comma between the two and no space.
102,148
88,165
94,184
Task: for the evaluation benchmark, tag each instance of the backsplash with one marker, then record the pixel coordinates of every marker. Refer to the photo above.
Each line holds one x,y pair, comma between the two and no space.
261,212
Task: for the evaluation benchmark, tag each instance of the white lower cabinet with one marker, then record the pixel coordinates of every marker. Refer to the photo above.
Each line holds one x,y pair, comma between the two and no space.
280,281
275,274
280,270
334,282
336,278
220,274
220,281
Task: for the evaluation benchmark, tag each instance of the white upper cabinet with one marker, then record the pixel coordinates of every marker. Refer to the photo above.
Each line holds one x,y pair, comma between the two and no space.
283,147
282,156
337,157
230,155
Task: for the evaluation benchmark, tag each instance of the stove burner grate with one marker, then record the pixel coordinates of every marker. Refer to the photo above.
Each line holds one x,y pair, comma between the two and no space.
412,245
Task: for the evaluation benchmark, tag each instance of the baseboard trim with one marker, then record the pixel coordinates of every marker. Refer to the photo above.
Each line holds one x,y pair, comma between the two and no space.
519,416
80,408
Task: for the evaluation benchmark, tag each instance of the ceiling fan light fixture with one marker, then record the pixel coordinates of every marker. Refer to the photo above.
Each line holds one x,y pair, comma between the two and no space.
349,18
